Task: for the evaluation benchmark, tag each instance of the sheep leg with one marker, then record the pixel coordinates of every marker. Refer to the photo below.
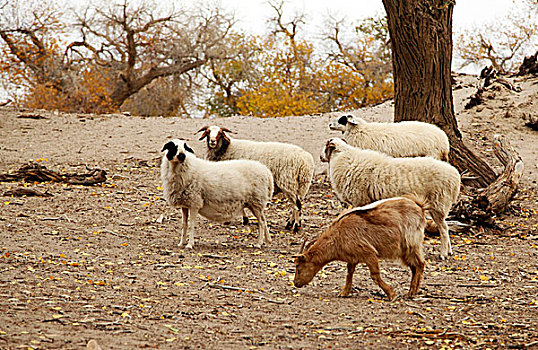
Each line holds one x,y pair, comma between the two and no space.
263,235
417,273
184,228
295,220
245,217
193,213
373,265
446,248
349,279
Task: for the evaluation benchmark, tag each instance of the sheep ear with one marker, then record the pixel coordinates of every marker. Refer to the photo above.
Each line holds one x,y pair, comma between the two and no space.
224,136
352,120
187,148
171,147
227,130
355,121
205,133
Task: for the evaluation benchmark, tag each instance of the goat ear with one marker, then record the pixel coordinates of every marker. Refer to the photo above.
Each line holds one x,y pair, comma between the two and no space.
227,130
299,257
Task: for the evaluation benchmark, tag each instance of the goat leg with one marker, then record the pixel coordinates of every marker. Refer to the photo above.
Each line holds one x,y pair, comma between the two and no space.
417,273
349,279
373,265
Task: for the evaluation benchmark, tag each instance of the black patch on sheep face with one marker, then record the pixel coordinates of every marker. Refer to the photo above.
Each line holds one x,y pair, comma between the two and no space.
343,119
181,157
172,150
187,148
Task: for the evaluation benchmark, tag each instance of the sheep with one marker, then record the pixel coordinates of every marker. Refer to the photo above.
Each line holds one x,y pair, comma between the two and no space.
362,176
391,229
402,139
217,191
291,166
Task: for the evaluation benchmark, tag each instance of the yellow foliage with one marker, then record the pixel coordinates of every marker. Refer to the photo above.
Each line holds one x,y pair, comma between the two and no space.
91,95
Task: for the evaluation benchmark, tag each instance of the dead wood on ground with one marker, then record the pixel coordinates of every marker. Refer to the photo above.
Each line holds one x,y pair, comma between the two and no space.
34,172
31,116
26,192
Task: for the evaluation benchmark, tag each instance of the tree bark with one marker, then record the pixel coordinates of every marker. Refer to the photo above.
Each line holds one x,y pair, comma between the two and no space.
421,40
127,85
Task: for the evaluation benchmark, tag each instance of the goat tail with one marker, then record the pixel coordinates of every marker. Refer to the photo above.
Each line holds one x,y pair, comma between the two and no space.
419,200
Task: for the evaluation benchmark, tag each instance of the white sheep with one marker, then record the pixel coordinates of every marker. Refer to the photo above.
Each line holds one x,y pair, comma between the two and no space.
291,166
217,191
361,176
402,139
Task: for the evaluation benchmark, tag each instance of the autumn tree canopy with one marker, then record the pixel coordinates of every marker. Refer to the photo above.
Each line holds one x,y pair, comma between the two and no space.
156,60
118,49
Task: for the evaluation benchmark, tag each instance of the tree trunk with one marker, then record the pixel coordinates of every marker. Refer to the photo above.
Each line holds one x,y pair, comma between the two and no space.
421,40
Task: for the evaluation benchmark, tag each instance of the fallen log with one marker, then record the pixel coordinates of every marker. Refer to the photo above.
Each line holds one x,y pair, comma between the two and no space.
25,192
34,172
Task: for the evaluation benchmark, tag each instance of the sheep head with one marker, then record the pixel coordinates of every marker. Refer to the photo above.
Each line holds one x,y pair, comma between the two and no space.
175,150
214,134
333,145
342,123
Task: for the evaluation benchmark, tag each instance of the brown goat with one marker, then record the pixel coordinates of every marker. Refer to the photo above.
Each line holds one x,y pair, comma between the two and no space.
391,229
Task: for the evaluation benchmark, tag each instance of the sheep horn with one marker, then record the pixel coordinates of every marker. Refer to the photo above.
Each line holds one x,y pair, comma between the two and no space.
202,129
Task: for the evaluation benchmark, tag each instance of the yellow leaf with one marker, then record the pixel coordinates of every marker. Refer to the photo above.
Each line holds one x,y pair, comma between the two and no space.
56,316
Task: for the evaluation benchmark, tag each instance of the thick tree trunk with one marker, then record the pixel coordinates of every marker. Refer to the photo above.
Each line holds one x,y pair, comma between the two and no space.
421,39
129,84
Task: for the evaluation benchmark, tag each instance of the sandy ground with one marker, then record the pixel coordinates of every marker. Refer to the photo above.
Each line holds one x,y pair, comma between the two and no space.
94,263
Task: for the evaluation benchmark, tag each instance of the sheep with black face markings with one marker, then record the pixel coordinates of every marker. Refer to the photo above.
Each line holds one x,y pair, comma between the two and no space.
217,191
360,176
402,139
291,166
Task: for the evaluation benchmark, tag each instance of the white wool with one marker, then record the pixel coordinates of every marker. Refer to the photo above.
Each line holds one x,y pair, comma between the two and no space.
291,166
217,191
362,176
401,139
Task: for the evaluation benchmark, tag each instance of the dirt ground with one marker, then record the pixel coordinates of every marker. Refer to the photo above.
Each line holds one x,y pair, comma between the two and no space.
93,262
